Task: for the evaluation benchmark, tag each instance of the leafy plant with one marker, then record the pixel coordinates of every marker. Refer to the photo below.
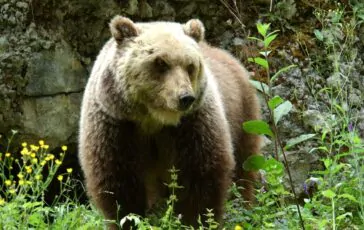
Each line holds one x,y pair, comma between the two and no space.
335,197
25,177
278,108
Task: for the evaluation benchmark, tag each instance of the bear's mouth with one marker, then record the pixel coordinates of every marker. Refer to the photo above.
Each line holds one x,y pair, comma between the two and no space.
166,116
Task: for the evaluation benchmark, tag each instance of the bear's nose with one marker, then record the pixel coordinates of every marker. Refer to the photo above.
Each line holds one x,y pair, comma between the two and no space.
185,101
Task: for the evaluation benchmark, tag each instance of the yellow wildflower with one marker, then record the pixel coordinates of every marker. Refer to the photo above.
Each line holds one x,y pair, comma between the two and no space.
12,191
60,178
7,154
51,156
24,144
20,175
8,182
69,170
38,177
21,182
28,169
32,155
58,162
238,227
64,148
45,147
24,151
43,163
2,201
41,143
34,160
29,182
34,148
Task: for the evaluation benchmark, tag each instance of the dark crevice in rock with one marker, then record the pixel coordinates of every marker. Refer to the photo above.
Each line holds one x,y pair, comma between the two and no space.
55,94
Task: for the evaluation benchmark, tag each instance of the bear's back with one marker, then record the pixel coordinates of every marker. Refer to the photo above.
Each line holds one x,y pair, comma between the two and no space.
238,95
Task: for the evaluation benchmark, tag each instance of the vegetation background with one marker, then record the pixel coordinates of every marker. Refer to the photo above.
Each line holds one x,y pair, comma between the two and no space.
307,60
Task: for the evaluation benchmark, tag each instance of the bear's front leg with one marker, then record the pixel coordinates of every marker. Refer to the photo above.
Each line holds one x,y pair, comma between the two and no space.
206,163
112,166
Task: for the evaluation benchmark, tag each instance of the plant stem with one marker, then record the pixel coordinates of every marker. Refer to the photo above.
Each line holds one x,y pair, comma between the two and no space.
333,214
275,130
278,142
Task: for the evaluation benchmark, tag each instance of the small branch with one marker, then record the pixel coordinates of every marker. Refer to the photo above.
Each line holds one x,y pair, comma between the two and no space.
234,12
275,130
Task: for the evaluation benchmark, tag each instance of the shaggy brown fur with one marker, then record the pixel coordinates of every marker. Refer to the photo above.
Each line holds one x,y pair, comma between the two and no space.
241,104
158,97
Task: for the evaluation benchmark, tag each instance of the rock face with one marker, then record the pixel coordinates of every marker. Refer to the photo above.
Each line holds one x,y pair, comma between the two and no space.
55,72
53,118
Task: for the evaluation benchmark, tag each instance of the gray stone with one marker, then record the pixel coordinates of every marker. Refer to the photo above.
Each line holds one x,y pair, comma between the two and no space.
4,43
22,5
133,7
210,9
226,38
334,80
146,10
301,163
54,72
315,119
188,10
54,118
12,20
355,99
239,42
163,10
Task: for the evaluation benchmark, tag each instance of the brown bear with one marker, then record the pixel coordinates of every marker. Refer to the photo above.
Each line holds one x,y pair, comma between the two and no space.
159,96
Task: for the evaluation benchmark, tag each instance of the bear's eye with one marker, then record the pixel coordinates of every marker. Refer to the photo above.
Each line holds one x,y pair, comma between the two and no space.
161,65
190,69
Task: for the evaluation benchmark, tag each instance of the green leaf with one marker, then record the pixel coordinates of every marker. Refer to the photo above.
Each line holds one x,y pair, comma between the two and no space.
36,219
323,136
260,61
274,167
357,150
282,70
349,197
274,102
254,163
269,39
328,193
345,215
318,35
262,87
282,110
257,127
327,162
263,28
30,205
294,141
273,32
336,168
257,39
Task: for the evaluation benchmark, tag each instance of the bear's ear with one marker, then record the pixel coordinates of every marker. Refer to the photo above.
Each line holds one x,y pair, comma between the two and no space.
195,29
122,27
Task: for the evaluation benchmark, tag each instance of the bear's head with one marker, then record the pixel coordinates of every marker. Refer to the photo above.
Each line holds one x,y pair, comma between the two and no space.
160,66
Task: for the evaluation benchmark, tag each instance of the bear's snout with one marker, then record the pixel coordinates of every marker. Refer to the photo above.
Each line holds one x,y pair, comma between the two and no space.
185,101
